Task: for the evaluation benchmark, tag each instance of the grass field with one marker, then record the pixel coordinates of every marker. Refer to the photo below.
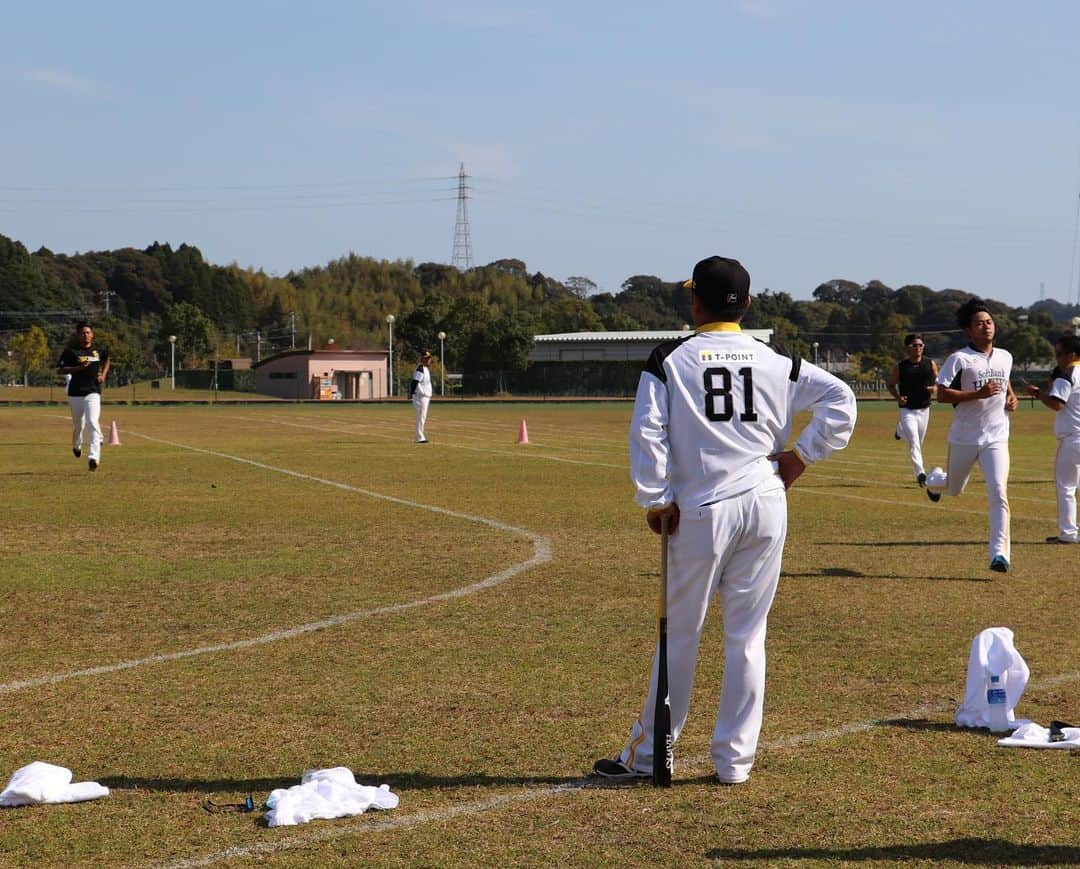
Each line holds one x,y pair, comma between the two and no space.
243,593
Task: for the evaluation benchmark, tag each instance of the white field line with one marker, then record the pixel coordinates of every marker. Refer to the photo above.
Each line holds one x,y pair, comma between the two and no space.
809,490
1049,499
848,457
798,488
319,835
507,453
839,459
542,553
552,444
348,426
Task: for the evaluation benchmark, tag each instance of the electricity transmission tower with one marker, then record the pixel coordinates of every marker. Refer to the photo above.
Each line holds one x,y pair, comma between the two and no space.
462,257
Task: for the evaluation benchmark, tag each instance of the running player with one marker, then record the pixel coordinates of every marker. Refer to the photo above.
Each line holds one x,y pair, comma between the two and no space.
1063,397
975,380
88,366
712,416
912,384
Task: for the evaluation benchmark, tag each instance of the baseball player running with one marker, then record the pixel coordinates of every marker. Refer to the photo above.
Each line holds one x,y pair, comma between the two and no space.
1063,397
975,380
712,415
912,384
88,367
420,393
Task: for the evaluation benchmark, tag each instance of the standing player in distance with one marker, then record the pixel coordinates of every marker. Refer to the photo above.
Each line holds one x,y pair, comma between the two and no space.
88,366
975,380
420,393
913,384
1063,397
712,416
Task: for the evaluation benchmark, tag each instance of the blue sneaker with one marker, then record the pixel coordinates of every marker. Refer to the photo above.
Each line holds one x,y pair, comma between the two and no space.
1000,564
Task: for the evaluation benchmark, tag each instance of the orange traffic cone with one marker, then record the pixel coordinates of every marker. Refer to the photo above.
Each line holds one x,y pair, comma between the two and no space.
523,433
114,435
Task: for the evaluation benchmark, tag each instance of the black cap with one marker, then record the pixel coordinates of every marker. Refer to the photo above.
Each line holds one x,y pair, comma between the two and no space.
720,282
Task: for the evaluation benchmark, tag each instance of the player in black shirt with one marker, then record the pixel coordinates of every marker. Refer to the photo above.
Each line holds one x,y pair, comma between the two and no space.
88,366
912,384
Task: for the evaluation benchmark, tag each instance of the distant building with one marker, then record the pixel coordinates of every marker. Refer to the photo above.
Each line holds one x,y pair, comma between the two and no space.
611,346
595,363
327,374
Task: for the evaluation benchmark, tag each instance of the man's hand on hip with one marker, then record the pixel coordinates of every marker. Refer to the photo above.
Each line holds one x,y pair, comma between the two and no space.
789,466
655,514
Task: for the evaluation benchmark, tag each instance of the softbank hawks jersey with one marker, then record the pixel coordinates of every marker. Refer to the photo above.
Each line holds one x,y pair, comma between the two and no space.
981,421
1066,387
710,409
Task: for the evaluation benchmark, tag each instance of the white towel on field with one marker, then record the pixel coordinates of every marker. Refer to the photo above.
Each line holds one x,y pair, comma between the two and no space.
1032,735
992,653
325,793
41,782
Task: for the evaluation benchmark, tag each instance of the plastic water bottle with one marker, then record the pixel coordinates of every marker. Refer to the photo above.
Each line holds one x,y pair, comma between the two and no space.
998,705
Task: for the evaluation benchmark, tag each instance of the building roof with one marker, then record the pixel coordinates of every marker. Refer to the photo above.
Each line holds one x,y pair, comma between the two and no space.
325,351
653,336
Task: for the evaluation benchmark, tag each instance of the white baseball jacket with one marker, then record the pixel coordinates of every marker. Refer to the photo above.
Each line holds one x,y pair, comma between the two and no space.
712,407
1066,387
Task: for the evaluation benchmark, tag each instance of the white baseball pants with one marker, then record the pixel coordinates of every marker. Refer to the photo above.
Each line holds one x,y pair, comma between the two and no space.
912,429
86,414
732,548
1066,480
420,406
993,459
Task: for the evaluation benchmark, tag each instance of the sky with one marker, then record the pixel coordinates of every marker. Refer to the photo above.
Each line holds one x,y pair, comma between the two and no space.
932,143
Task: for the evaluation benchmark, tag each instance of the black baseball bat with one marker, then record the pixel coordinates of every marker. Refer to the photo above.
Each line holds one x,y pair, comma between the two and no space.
663,743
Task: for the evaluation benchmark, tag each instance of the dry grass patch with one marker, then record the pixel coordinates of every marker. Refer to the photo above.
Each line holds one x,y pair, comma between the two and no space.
485,711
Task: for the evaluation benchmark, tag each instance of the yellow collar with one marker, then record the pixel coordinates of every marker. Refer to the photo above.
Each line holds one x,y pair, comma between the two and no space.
719,327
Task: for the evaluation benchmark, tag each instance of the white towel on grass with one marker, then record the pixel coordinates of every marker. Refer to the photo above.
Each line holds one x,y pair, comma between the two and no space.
41,782
325,793
992,653
1032,735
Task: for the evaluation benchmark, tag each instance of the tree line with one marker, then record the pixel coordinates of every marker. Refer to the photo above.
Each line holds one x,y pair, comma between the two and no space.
137,299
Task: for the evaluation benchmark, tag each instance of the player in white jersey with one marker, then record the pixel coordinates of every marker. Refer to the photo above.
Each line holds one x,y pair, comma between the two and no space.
420,392
712,416
1063,397
975,380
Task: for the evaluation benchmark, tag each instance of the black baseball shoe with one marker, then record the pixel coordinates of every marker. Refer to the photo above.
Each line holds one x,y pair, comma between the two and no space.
1000,564
896,435
921,480
77,452
933,496
1056,539
92,465
614,769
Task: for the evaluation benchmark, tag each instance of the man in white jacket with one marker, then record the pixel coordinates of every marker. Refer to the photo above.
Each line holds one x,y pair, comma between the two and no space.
420,392
711,420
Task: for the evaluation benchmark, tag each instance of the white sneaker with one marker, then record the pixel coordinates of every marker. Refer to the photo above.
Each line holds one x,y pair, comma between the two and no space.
937,480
